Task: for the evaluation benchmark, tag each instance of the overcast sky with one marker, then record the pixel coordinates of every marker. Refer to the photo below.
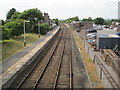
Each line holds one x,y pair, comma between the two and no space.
63,9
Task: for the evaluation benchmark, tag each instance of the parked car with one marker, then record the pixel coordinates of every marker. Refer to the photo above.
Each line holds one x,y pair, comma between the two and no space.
98,27
106,26
111,28
91,30
92,35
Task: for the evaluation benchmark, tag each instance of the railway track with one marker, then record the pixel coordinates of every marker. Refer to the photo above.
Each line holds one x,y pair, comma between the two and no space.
64,73
47,71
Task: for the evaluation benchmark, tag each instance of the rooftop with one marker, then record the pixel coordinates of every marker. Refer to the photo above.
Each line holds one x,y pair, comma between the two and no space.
108,36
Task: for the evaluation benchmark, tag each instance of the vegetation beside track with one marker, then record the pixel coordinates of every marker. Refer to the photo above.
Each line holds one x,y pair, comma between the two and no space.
90,66
12,46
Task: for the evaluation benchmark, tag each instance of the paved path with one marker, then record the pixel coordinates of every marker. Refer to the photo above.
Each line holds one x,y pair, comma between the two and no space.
13,59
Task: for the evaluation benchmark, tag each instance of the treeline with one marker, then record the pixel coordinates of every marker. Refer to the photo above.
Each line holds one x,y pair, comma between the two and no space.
69,20
98,20
14,24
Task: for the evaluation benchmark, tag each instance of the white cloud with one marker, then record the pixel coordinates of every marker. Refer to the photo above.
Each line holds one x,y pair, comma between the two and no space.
64,8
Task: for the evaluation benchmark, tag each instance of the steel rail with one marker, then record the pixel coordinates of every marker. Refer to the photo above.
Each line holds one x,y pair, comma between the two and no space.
71,72
59,66
35,65
45,67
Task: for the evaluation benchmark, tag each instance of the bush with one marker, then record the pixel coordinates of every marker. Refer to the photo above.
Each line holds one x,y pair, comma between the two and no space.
5,34
47,27
56,21
15,27
43,29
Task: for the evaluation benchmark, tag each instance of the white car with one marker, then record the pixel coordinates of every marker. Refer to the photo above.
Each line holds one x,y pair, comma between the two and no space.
92,36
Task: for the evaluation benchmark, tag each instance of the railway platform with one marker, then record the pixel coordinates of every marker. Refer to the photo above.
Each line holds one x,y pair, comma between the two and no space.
16,63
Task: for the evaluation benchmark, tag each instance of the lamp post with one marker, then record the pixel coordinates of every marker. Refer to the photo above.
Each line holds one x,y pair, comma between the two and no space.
39,28
24,33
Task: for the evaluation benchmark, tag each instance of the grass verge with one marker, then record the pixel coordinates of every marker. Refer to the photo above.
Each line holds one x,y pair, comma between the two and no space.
90,66
12,46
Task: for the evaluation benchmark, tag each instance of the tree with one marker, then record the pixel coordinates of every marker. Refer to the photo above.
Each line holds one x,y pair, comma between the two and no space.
2,22
76,18
15,15
87,19
56,21
108,22
69,20
5,34
33,15
10,13
99,21
43,29
15,27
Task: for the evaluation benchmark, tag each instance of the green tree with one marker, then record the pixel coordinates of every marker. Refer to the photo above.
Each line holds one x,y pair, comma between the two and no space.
99,21
43,29
108,22
56,21
15,15
69,20
10,13
2,22
76,18
5,34
33,15
87,19
15,27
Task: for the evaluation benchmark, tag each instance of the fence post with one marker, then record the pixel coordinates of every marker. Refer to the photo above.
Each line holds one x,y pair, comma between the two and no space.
101,73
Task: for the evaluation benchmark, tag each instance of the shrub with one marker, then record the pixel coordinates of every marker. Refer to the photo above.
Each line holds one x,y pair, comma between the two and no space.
43,29
5,34
15,27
